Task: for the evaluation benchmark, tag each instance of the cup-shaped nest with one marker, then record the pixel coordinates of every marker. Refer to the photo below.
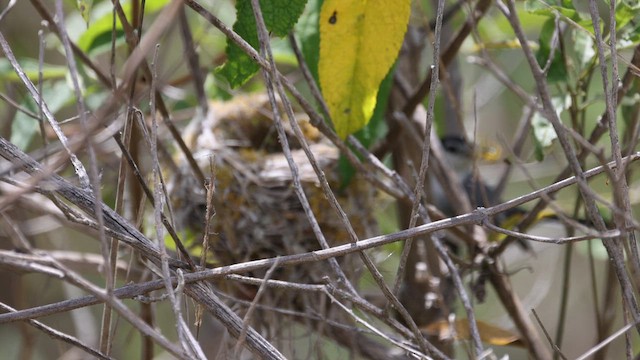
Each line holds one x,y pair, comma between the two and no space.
258,212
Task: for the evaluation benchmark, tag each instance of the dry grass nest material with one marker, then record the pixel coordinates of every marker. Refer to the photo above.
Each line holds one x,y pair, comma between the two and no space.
257,211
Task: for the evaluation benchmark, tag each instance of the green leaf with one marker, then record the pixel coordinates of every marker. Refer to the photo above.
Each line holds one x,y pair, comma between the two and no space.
543,131
583,48
632,4
279,16
359,42
633,36
99,33
84,7
557,69
628,24
308,34
375,130
538,7
30,67
564,8
24,128
550,7
624,15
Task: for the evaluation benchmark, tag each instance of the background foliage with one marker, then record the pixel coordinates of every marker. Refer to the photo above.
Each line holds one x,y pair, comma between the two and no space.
176,89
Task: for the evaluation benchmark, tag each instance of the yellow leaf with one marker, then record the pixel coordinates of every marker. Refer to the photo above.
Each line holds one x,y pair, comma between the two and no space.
359,42
489,333
514,219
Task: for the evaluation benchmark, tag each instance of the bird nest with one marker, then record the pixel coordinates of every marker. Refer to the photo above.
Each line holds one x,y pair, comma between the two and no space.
258,213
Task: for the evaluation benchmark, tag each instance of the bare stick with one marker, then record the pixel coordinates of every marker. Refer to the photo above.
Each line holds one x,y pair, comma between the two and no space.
546,333
620,187
61,336
77,165
286,149
252,308
613,248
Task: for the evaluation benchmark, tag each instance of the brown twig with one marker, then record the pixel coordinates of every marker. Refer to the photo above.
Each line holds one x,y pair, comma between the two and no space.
613,249
59,335
7,150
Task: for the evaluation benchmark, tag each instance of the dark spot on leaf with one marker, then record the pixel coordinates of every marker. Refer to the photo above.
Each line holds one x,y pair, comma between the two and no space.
347,111
334,18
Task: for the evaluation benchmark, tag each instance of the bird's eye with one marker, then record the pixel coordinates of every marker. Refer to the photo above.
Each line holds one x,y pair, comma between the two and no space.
455,144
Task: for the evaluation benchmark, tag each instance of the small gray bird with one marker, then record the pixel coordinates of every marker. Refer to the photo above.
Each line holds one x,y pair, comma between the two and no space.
459,156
